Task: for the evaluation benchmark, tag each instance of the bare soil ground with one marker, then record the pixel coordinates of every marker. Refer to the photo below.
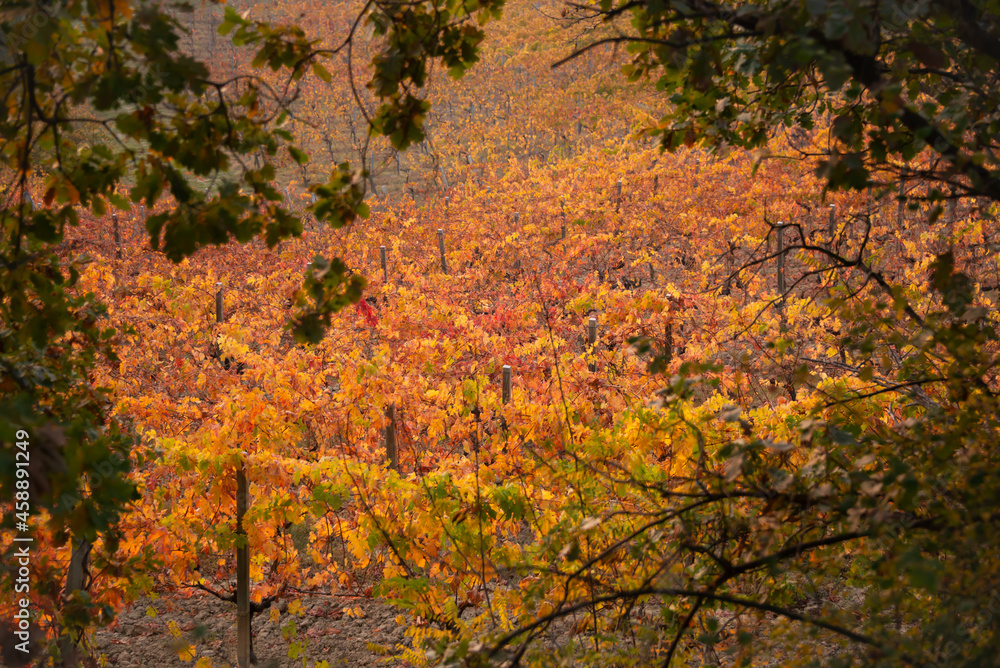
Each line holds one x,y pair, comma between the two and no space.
326,630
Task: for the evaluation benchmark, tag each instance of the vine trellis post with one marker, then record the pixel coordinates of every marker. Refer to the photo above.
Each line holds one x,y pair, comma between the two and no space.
902,203
781,258
505,394
218,303
444,263
562,206
391,453
242,572
668,342
243,618
832,223
591,344
118,236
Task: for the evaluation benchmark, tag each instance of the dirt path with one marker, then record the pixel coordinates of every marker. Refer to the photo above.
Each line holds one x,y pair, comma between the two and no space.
327,629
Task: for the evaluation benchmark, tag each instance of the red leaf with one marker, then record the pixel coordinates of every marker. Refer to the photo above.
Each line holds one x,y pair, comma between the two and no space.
366,311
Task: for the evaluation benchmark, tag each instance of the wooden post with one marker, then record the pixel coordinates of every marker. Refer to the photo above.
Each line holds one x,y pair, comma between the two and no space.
833,223
505,393
591,341
242,551
902,203
75,576
219,314
952,210
385,265
618,198
118,237
446,202
242,573
781,258
668,342
517,217
444,263
562,206
390,438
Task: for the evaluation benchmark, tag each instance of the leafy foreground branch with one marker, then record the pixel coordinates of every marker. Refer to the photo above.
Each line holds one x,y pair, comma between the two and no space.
104,109
690,531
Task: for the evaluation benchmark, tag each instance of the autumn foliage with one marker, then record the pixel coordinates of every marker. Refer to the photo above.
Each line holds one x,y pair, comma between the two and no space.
726,427
491,501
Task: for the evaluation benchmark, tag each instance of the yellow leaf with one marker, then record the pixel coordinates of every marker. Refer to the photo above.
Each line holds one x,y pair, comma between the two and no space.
108,10
186,653
275,615
203,662
295,608
151,611
200,383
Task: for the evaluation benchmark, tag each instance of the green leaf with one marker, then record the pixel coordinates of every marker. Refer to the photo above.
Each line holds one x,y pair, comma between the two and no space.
298,155
321,72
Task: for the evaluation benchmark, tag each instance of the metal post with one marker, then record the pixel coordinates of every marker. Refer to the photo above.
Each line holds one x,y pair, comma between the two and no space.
505,393
591,341
385,265
833,222
506,384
